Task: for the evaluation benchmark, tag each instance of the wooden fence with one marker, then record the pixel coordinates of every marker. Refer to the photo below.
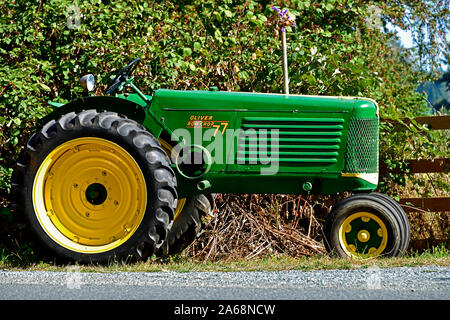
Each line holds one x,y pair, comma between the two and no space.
435,204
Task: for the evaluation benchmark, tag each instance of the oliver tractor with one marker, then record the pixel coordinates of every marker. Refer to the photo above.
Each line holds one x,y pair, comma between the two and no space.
128,175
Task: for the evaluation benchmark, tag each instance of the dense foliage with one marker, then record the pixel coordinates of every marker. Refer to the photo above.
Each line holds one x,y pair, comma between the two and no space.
339,47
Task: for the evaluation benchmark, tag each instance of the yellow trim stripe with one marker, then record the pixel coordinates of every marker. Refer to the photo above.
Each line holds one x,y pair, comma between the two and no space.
369,177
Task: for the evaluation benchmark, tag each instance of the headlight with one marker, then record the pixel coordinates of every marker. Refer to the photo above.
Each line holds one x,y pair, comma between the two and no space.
88,82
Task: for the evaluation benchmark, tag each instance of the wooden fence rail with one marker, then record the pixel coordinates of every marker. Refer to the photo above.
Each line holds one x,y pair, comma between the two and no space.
434,122
437,204
421,166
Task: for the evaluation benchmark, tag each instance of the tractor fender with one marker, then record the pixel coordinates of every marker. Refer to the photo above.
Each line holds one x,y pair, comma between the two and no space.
121,106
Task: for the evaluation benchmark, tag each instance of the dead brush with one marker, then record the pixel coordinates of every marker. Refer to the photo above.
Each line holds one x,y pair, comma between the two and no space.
249,226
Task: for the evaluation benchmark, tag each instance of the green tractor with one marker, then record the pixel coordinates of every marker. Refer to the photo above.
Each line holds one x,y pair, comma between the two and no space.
128,175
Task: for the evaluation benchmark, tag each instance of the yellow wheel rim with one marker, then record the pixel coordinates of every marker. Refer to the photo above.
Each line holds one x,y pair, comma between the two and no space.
89,195
181,202
363,235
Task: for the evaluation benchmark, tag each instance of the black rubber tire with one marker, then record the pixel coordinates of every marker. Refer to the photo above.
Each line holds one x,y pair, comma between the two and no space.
188,225
406,229
398,234
159,177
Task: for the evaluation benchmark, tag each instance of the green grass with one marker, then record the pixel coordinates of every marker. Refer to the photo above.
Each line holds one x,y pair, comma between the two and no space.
435,256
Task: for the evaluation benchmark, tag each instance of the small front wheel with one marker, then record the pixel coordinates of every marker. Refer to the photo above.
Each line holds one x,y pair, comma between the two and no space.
365,226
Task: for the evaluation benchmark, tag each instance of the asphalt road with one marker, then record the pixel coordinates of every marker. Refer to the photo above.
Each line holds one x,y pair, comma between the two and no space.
421,283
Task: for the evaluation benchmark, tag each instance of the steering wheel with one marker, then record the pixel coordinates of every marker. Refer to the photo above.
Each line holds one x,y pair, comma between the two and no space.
122,76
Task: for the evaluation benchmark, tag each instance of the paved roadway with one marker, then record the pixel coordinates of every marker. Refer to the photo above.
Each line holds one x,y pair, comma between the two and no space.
411,283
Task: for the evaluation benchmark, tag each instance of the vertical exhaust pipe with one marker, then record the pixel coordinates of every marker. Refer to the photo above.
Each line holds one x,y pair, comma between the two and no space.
285,64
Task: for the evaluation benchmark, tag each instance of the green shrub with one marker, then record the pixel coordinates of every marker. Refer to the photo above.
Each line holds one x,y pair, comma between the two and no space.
47,45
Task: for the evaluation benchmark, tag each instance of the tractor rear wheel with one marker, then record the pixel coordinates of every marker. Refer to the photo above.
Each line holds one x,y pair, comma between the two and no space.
366,226
95,187
189,218
188,223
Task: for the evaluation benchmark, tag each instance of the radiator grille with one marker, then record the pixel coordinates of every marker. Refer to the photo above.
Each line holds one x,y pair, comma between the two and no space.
361,155
291,141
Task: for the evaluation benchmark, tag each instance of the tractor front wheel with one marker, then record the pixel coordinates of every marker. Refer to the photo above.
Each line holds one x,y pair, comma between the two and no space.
365,226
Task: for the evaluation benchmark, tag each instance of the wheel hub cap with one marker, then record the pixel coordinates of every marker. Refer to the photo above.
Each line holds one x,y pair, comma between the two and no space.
89,195
96,194
363,236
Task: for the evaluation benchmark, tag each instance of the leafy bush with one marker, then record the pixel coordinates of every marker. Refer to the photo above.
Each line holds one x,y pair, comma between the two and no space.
335,49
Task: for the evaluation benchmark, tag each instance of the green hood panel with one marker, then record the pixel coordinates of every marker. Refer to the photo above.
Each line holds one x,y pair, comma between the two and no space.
242,101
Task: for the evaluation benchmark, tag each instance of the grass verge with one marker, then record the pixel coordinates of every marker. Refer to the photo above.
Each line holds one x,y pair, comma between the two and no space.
439,256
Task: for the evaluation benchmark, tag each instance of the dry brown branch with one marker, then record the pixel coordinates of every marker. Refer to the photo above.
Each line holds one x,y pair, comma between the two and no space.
249,226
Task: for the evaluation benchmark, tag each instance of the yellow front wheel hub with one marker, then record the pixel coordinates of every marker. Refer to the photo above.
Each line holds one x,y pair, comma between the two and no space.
89,195
363,235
